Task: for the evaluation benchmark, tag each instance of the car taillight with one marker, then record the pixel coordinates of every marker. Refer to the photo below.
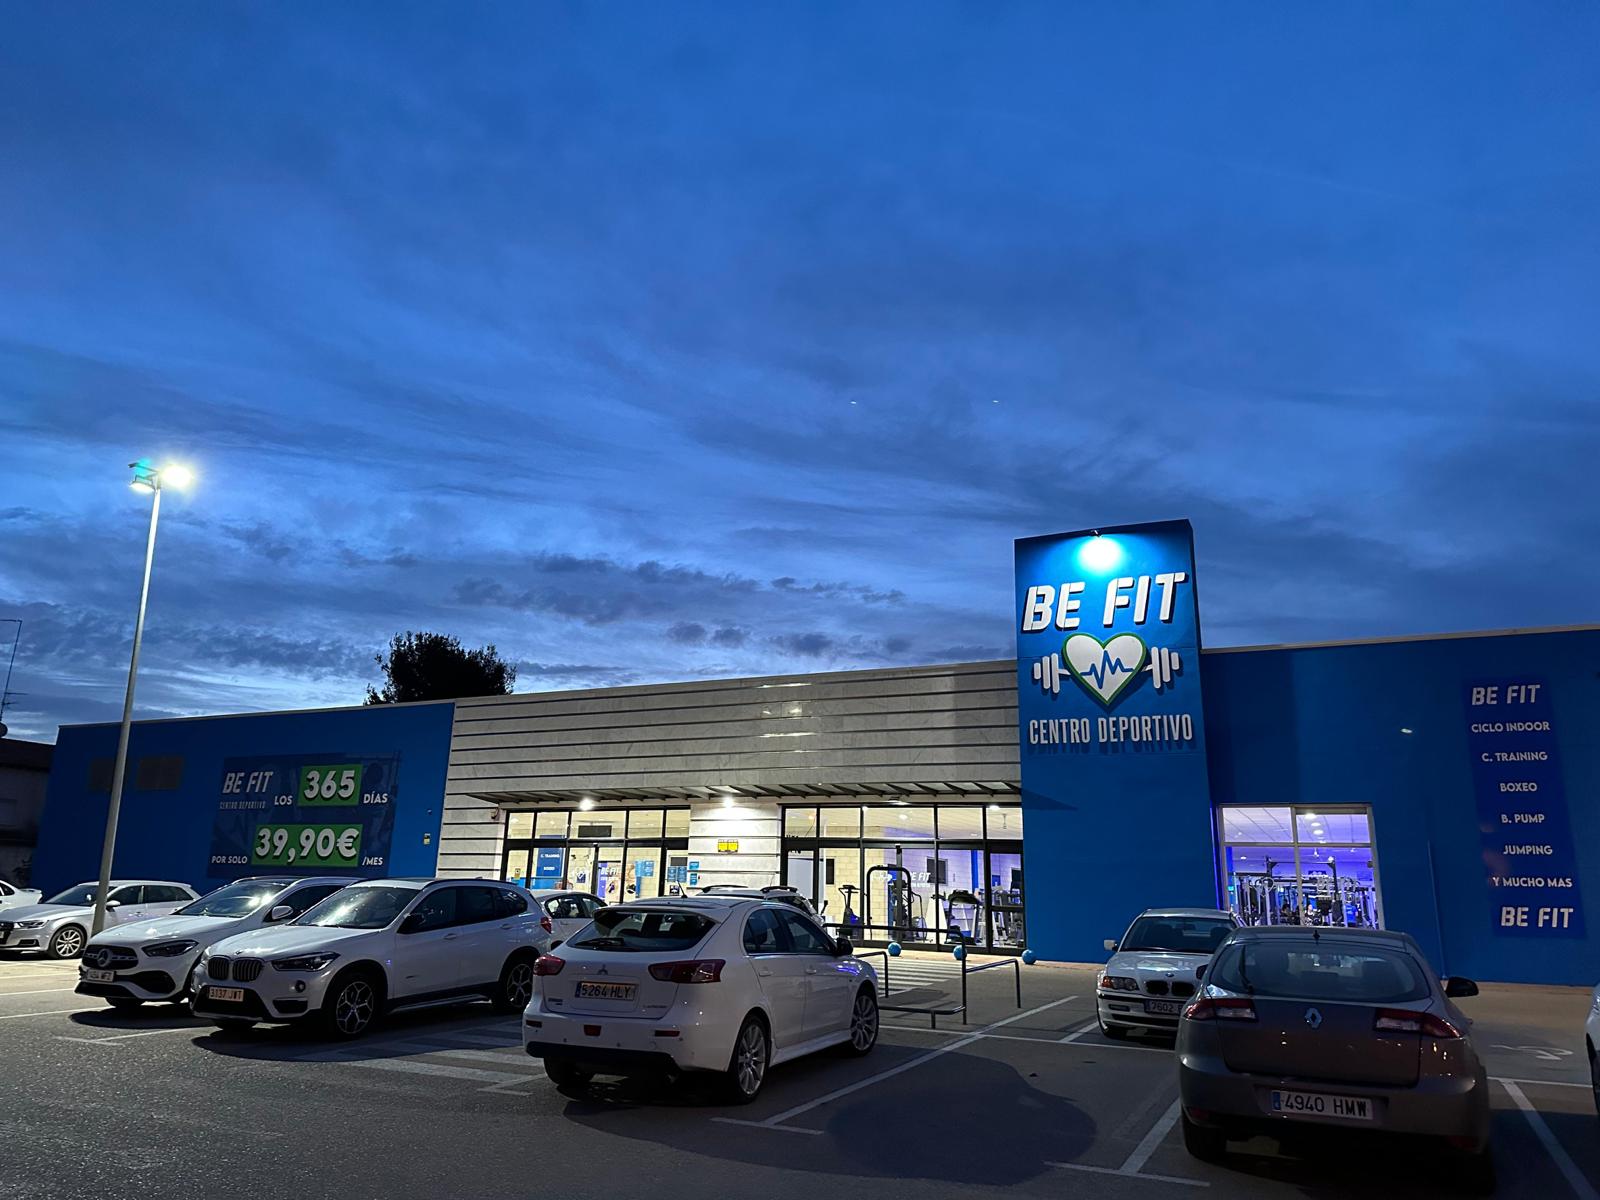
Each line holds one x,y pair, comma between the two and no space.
699,970
1221,1008
548,964
547,925
1403,1020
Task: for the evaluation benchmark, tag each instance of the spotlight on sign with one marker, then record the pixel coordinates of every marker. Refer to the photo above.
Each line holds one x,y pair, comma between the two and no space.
1100,553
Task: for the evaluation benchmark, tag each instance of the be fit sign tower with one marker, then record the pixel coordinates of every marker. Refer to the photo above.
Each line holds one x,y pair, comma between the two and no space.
1112,728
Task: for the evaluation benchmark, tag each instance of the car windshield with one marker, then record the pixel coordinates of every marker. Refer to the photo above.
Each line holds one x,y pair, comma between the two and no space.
633,929
76,896
1305,970
235,899
359,908
1181,935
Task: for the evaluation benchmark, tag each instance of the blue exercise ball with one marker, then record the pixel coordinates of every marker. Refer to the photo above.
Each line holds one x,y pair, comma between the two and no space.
1029,957
960,952
894,949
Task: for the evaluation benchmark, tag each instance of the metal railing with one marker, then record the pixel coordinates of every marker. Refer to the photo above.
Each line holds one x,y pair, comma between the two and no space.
932,1013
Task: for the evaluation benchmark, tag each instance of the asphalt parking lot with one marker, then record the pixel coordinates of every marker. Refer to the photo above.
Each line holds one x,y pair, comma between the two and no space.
444,1103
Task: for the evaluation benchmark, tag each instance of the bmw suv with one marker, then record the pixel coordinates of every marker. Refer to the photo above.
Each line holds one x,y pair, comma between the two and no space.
151,960
374,947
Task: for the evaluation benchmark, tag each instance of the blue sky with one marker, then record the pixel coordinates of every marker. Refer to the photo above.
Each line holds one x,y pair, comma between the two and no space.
671,341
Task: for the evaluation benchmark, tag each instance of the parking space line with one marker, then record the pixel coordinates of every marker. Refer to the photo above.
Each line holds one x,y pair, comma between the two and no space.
47,1013
1079,1032
122,1037
1147,1146
37,992
1066,1166
777,1122
1540,1082
410,1066
1581,1187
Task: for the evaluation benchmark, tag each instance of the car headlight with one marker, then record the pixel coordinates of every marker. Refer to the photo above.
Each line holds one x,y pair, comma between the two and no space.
304,962
1119,983
169,949
29,924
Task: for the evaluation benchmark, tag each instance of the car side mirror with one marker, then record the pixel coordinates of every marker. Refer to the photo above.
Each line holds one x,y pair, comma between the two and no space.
1458,986
842,948
281,912
412,923
1111,945
111,904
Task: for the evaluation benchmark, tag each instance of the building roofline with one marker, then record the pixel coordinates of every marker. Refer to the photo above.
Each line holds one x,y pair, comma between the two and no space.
271,712
1524,631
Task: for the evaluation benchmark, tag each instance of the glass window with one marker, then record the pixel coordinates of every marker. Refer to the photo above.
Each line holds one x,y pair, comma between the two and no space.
509,903
567,908
126,895
650,929
645,823
1183,935
303,899
359,907
1004,822
892,822
76,897
1304,970
763,933
1332,828
1004,897
804,937
800,822
1260,825
476,904
436,911
841,822
677,822
1324,874
550,825
960,824
516,867
642,874
159,893
519,824
236,899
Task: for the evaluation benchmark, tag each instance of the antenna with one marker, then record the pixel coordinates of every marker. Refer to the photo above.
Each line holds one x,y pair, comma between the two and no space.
5,688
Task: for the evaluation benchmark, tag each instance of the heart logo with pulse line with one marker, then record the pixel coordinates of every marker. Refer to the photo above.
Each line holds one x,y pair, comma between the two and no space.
1104,668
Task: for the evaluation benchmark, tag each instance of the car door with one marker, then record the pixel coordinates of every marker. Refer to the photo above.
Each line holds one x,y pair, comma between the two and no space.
485,933
568,914
427,955
781,975
830,979
130,904
163,899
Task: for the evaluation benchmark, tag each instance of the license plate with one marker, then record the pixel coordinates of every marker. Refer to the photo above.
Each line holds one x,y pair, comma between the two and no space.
606,991
99,976
226,995
1169,1007
1320,1104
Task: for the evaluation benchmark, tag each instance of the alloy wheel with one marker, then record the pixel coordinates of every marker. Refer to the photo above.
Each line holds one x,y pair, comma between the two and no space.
864,1023
751,1059
519,984
69,942
353,1008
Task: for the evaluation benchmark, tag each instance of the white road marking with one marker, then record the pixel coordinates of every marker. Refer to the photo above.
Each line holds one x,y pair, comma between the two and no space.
1079,1032
122,1037
1581,1187
1540,1082
37,992
47,1013
1066,1166
411,1066
777,1122
1142,1152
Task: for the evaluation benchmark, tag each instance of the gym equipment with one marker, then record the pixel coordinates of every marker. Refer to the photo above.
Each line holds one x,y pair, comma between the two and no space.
901,899
957,928
849,921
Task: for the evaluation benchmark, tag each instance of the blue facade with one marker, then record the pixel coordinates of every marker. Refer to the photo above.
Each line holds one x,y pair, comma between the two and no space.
174,832
1324,726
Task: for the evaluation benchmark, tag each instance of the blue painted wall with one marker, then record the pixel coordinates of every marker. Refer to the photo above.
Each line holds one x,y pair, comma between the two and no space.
167,834
1322,726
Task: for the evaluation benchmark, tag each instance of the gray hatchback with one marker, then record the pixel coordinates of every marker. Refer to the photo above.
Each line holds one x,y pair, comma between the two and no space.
1301,1031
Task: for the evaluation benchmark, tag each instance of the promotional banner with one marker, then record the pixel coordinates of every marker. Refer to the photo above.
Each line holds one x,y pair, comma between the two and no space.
323,814
1530,863
1111,727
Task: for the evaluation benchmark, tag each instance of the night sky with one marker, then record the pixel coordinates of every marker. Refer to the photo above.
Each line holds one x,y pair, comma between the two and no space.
659,342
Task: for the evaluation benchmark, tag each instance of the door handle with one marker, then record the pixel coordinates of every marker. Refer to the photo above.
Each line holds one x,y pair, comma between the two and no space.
764,971
449,937
812,971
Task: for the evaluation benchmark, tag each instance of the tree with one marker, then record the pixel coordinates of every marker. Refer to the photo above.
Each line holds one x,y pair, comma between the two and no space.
432,666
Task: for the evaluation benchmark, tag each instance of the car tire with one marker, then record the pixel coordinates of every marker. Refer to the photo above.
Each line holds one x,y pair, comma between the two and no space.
1208,1145
124,1002
67,942
1115,1032
354,1001
515,988
747,1067
863,1024
570,1080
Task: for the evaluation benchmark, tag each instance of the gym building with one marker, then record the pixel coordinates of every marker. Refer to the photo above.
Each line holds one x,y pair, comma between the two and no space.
1448,786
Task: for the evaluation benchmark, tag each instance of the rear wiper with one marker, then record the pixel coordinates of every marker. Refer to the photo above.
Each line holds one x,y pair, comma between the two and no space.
606,942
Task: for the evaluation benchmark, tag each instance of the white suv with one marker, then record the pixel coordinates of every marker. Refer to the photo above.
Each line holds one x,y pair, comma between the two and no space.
376,946
151,960
714,983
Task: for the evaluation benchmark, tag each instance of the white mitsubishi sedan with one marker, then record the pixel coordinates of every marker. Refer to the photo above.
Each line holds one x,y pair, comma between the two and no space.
722,984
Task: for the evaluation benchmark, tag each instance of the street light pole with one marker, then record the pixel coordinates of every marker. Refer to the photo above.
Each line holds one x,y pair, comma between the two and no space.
144,478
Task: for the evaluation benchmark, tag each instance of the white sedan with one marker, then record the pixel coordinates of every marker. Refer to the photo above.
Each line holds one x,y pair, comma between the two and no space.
722,984
12,896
